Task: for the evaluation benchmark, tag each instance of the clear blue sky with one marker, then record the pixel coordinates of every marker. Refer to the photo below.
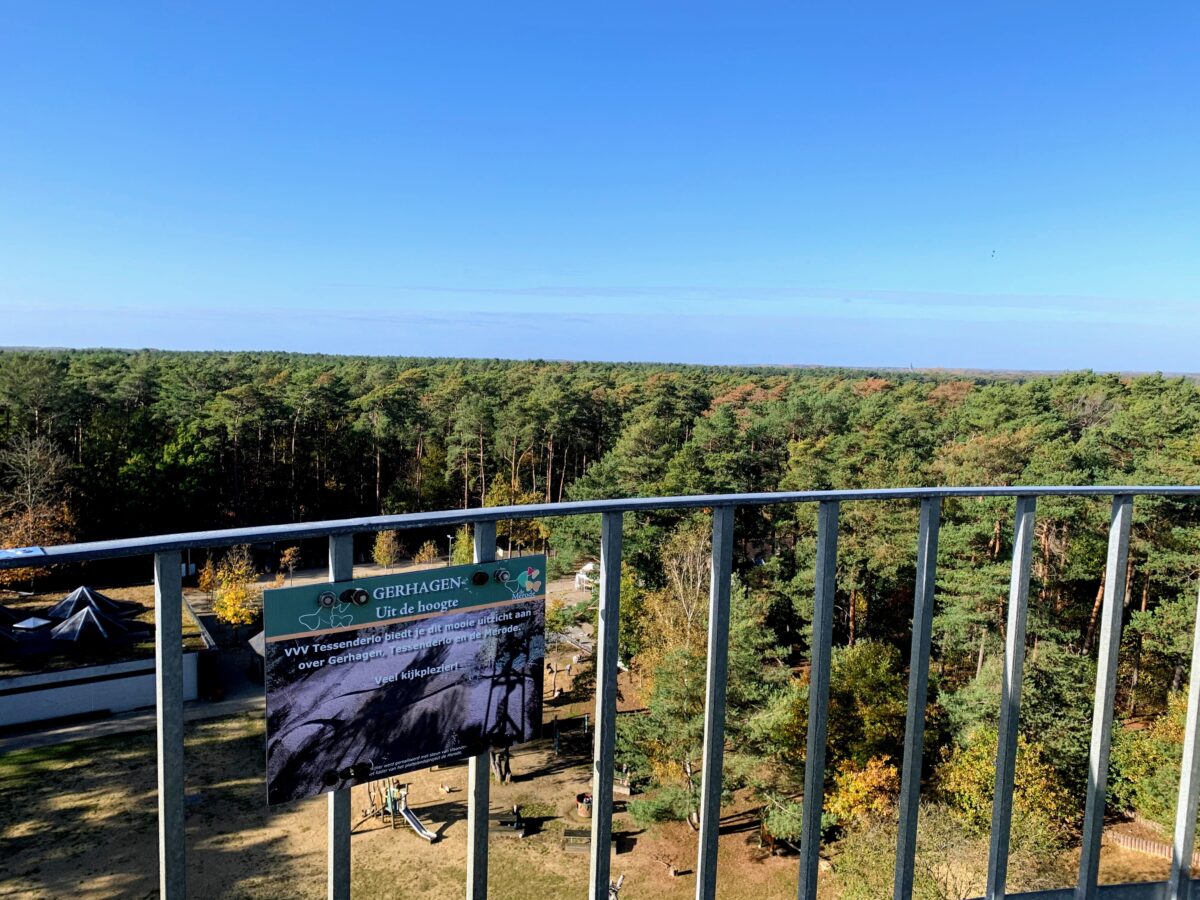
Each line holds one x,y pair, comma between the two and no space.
979,184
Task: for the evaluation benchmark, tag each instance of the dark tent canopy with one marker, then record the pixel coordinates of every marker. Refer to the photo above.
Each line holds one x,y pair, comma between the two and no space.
89,627
8,617
85,598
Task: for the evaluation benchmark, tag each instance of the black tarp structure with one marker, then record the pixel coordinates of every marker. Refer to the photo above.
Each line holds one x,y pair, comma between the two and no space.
7,638
8,616
90,627
86,598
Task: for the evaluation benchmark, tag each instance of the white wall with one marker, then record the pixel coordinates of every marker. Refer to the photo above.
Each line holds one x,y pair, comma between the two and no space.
72,692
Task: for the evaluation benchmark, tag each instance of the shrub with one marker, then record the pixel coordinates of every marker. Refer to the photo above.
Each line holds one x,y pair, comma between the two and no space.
1043,810
860,791
237,599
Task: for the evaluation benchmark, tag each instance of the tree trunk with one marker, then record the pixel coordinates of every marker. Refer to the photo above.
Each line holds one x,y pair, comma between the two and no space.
1095,616
562,479
979,659
482,471
853,611
378,480
420,453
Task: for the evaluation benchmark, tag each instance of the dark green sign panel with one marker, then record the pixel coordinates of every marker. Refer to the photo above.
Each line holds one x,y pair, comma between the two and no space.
315,609
374,677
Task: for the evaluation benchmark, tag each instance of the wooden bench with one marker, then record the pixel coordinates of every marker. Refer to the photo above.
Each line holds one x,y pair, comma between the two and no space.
507,825
577,840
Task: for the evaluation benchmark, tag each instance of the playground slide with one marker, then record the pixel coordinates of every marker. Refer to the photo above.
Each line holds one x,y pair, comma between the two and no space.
415,824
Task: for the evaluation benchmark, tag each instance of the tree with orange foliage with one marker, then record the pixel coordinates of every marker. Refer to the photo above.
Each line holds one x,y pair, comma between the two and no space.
33,511
40,526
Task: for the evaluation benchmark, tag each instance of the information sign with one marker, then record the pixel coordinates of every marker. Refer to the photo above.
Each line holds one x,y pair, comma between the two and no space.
377,676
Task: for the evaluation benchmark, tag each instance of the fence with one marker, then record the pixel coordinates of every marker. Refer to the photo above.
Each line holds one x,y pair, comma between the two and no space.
169,679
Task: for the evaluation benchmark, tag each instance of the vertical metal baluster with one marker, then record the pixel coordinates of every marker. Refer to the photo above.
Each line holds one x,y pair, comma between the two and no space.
479,767
818,697
918,686
1010,697
714,702
1106,689
341,568
605,739
1179,887
168,690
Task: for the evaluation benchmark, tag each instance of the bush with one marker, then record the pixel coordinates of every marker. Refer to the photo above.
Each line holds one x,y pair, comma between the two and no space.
237,599
1043,810
1144,773
671,804
951,863
860,791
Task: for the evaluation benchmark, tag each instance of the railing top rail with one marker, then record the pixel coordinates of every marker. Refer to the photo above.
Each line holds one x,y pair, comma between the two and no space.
140,546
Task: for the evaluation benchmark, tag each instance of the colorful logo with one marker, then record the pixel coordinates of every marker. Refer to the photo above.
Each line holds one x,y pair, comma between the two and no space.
526,584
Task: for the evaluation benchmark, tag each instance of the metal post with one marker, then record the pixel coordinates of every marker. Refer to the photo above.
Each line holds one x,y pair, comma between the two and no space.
1106,690
606,704
1179,885
818,697
1010,697
168,691
478,767
918,686
341,568
714,702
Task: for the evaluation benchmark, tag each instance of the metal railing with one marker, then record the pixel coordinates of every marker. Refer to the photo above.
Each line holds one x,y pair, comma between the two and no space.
169,679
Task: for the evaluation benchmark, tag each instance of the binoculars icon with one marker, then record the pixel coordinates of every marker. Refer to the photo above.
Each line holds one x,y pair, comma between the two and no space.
357,596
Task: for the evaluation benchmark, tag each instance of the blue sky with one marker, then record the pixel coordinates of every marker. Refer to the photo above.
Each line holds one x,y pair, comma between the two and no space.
1005,185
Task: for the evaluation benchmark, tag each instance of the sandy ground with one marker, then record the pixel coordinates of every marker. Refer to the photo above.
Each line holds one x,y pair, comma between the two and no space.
80,820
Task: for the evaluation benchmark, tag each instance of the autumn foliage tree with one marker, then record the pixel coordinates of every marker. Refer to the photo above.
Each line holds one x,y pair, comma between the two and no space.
386,551
426,553
289,560
33,508
237,599
207,578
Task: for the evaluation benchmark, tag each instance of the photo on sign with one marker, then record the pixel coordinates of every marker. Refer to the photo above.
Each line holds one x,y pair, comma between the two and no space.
454,668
